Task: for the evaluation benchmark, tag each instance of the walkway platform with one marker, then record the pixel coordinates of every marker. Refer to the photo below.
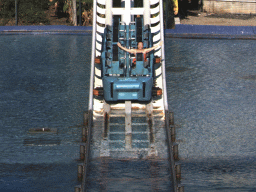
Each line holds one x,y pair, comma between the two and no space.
212,31
180,31
46,29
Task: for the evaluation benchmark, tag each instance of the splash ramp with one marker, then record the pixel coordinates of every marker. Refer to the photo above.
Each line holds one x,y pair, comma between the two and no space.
128,131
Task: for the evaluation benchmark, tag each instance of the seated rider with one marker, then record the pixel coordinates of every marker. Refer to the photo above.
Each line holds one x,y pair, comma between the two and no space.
138,52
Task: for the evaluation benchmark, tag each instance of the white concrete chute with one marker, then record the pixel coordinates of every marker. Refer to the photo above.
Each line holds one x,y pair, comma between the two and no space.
153,2
155,19
101,20
155,29
98,38
150,116
102,2
152,16
165,99
154,10
101,10
100,29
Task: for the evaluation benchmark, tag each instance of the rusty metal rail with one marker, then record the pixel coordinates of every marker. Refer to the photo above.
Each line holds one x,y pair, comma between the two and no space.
101,128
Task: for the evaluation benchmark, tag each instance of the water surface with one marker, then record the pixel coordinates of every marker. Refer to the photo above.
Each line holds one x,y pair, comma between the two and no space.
212,93
44,81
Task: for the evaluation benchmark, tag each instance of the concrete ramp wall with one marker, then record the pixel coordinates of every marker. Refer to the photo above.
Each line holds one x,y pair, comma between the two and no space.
230,6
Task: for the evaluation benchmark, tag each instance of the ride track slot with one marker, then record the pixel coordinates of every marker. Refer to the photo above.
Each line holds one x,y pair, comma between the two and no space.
128,132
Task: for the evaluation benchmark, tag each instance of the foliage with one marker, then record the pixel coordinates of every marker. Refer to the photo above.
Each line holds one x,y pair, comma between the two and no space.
86,4
29,11
7,8
32,11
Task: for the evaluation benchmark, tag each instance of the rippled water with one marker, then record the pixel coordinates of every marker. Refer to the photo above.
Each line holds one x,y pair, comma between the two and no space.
44,83
212,93
128,175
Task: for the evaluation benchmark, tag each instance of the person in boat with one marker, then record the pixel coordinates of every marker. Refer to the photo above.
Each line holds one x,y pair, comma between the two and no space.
140,51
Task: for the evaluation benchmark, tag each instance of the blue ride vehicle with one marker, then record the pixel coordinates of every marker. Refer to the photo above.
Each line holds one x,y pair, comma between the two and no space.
126,76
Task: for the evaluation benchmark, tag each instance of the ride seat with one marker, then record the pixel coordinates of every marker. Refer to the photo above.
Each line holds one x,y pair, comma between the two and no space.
139,57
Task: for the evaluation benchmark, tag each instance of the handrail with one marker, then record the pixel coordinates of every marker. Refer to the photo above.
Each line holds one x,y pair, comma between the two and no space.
87,150
90,107
170,151
163,56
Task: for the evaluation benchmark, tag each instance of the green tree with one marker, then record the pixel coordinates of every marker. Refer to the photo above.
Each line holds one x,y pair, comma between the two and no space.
32,11
29,11
7,10
64,7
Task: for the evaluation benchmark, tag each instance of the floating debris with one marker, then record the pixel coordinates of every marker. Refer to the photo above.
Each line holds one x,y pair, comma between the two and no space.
41,142
176,69
249,77
43,130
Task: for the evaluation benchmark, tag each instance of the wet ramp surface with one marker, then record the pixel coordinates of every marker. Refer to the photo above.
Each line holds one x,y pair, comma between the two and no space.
132,159
107,174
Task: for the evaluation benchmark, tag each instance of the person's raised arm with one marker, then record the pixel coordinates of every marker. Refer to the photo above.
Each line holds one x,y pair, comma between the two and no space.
154,47
124,48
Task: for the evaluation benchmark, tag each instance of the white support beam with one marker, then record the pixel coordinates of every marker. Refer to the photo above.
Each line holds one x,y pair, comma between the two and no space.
133,11
146,13
126,17
109,12
128,124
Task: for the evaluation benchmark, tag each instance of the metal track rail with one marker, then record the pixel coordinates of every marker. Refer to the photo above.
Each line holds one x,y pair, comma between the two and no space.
109,142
